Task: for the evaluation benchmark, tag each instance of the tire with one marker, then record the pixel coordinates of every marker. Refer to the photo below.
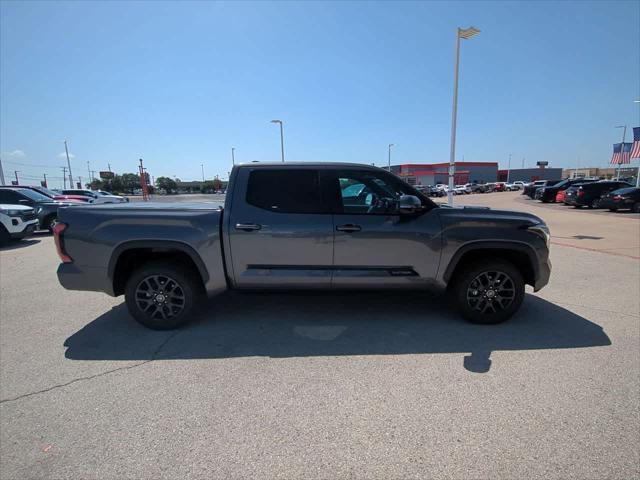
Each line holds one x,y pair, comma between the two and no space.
5,238
636,207
613,209
49,222
595,203
477,296
151,304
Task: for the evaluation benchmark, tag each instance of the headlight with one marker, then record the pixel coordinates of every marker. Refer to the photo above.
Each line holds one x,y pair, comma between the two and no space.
542,230
14,213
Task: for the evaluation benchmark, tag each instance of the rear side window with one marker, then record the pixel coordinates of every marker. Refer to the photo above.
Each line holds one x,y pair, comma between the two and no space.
285,191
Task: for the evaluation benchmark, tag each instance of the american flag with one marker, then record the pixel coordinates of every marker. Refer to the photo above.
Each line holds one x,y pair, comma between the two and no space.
625,156
635,150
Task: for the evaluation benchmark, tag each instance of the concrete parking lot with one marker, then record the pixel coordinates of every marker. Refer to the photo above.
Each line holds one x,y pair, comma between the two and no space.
331,385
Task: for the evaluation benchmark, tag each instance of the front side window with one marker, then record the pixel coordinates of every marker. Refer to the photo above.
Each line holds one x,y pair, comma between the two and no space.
371,193
285,191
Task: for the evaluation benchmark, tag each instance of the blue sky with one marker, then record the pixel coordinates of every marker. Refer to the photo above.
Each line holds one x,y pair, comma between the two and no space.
179,84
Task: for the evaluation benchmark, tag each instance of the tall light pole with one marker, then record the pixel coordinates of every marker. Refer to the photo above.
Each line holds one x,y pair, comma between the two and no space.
66,149
389,159
89,170
233,155
465,33
1,173
509,168
624,134
202,167
281,137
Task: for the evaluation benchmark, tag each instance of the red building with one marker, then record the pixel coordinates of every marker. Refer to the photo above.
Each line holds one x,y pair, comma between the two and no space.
432,173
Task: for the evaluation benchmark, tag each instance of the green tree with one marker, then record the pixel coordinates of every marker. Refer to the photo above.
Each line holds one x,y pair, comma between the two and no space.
166,183
130,182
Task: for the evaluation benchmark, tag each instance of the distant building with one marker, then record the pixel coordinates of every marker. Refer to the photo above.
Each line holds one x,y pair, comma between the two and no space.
433,173
530,174
608,172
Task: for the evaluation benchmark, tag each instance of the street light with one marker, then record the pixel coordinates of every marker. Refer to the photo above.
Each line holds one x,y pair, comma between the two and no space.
202,167
233,157
624,134
465,33
390,145
281,137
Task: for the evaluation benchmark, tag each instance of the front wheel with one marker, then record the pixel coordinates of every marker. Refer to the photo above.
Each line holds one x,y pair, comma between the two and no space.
50,222
489,291
636,207
163,295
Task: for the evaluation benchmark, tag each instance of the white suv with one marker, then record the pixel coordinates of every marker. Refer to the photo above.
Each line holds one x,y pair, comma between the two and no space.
16,222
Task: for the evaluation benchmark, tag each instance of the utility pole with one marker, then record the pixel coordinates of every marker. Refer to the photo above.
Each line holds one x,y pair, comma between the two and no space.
389,157
143,182
1,173
64,178
46,185
109,167
233,156
509,168
202,167
79,181
281,138
16,174
89,170
66,149
522,162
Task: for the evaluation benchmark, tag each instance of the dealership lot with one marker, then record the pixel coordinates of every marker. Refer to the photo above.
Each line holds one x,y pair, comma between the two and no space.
331,385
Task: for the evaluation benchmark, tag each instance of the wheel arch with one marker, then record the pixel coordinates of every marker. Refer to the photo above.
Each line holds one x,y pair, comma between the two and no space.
129,256
521,255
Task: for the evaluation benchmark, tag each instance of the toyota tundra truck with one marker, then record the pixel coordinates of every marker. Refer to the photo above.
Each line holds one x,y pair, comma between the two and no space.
285,226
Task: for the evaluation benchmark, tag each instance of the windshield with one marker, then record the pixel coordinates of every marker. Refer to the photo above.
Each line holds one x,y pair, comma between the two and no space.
103,193
33,195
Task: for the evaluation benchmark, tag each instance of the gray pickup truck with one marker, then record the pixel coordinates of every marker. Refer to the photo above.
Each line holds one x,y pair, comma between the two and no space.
303,226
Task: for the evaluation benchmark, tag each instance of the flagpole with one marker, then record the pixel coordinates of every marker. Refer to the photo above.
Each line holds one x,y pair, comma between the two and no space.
624,135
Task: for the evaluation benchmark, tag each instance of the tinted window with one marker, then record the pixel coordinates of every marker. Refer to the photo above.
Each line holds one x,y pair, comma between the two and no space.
9,196
285,191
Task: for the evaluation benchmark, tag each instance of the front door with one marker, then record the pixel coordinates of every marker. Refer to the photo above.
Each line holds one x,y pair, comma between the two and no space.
374,244
280,232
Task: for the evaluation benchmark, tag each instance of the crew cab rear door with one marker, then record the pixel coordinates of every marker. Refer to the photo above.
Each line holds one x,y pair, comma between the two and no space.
375,245
280,231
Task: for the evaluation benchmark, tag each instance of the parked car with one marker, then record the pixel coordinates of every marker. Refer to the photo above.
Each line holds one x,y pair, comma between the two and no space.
46,209
548,193
622,199
588,194
500,187
531,189
53,195
477,187
511,187
462,190
16,222
307,233
519,184
98,196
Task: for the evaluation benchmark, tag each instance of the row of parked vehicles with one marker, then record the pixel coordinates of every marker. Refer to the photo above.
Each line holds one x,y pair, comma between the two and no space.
25,209
441,190
587,192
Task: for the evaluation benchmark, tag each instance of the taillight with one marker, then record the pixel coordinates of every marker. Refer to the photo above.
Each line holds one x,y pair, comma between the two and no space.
617,197
58,228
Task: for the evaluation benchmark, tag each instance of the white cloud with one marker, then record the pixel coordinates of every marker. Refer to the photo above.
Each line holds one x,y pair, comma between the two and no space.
16,154
64,155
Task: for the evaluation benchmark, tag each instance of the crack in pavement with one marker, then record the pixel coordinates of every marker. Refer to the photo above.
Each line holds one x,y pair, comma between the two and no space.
154,357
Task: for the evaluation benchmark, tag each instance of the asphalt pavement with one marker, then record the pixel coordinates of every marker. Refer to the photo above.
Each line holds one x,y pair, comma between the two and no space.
331,385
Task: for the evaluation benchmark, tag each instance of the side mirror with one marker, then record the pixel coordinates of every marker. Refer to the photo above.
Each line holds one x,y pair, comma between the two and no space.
409,204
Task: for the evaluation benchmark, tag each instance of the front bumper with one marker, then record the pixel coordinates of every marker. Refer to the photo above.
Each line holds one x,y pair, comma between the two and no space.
28,230
543,274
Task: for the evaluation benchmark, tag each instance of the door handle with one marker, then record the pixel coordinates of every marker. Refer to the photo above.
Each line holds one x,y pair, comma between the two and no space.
349,227
248,227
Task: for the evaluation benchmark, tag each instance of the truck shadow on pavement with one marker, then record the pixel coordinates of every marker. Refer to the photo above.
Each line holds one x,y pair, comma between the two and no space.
285,325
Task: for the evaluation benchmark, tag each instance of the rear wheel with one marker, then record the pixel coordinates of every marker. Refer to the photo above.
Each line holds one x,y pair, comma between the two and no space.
489,291
636,207
162,295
